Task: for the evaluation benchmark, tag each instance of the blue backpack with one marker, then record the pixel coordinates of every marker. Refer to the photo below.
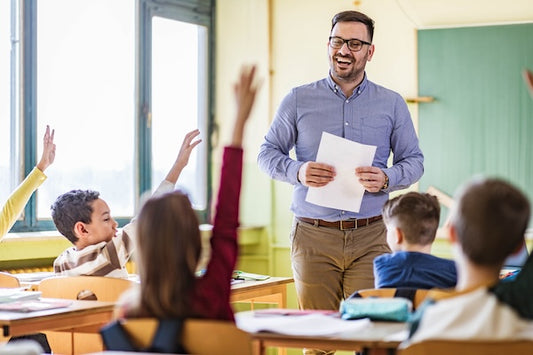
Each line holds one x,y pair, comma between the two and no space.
167,338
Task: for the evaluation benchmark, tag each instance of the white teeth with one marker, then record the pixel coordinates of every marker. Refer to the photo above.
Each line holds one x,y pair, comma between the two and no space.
343,60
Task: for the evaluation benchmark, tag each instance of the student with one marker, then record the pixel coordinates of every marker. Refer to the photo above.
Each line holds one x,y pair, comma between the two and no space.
85,219
518,292
18,199
487,223
412,220
169,245
10,212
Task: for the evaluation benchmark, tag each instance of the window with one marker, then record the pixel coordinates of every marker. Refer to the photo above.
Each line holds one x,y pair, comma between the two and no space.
119,121
179,99
8,142
85,86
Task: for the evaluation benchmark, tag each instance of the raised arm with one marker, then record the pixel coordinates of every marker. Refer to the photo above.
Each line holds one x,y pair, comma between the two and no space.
18,199
245,90
49,150
183,156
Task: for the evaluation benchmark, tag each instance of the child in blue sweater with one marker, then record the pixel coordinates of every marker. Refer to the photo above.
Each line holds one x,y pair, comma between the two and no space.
412,220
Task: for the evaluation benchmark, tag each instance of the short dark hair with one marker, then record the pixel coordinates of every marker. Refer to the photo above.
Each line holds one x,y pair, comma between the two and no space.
416,214
490,218
72,207
354,16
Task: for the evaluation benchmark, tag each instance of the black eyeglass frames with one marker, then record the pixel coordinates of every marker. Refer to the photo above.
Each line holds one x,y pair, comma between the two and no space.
354,44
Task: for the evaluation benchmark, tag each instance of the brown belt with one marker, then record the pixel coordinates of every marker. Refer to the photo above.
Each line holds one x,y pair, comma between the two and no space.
341,225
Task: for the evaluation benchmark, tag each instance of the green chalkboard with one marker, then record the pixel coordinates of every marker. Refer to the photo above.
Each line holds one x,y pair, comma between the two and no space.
481,122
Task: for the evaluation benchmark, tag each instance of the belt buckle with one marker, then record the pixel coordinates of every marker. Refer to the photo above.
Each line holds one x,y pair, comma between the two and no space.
341,227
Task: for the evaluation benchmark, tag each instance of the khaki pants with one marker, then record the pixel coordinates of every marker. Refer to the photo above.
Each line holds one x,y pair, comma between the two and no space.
328,264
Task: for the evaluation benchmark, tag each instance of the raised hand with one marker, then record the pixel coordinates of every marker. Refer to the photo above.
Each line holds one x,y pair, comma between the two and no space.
183,156
245,90
49,150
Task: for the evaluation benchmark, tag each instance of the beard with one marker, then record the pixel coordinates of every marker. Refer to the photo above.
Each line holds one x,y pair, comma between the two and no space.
345,68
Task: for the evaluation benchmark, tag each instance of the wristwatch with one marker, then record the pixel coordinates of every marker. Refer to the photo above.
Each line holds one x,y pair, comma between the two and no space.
386,184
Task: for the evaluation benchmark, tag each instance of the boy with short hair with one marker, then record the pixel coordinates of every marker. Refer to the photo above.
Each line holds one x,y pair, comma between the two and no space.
487,223
85,219
412,220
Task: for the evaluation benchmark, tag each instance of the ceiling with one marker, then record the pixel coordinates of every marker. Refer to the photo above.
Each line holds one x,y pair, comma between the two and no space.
451,13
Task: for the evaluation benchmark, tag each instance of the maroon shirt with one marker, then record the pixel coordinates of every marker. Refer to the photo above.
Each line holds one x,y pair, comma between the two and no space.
210,297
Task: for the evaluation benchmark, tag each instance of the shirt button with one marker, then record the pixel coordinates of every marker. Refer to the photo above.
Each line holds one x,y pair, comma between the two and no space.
346,123
347,101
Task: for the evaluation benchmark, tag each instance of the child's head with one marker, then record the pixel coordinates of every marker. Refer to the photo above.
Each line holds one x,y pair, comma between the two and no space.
411,218
489,219
82,215
168,250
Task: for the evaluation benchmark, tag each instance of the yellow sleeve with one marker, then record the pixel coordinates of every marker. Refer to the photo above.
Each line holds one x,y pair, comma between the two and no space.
18,199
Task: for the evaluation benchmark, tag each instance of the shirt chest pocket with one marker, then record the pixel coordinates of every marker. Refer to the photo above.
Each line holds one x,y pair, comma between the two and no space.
376,130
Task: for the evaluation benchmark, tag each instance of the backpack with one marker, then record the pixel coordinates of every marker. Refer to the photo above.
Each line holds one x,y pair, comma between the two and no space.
167,338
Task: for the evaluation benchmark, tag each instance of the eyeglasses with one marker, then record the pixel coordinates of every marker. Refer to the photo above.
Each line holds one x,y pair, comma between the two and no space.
354,45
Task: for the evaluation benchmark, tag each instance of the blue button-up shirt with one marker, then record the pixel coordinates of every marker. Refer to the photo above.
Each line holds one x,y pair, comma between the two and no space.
373,115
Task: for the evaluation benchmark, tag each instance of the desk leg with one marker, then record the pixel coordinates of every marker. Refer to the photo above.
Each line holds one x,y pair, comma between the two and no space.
258,348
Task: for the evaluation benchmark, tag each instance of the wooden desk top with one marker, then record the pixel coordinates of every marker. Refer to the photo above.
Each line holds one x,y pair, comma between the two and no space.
252,284
78,315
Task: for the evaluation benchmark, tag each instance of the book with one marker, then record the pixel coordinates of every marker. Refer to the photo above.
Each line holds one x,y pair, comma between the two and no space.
293,312
241,275
8,295
33,305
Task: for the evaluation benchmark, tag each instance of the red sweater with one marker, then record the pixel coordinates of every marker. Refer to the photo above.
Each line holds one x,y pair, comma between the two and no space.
211,294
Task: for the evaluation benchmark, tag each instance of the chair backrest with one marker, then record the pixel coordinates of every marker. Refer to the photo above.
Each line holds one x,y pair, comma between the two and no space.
99,288
200,336
468,347
9,281
418,298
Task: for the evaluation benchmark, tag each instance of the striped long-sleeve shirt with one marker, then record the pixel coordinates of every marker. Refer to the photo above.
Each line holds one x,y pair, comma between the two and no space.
104,258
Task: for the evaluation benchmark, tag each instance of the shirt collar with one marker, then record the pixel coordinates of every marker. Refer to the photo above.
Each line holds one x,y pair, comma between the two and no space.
336,89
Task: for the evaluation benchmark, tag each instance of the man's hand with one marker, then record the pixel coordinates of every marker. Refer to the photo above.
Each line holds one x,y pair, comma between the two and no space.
372,178
313,174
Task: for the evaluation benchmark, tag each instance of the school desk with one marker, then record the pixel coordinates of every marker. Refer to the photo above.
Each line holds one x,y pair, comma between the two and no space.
83,316
271,290
372,335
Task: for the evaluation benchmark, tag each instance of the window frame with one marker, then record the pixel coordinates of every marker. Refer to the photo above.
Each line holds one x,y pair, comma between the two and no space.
200,12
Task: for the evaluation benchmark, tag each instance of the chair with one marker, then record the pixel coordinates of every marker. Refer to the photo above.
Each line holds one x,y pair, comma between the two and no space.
468,347
9,281
200,336
418,298
98,288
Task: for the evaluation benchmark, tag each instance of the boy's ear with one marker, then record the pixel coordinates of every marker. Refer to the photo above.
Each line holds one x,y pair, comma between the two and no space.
399,235
451,233
80,230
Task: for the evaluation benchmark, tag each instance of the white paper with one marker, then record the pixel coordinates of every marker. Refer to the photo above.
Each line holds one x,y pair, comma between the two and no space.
307,325
345,192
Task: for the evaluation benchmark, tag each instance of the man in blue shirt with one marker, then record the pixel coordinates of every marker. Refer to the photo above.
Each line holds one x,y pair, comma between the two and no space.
332,250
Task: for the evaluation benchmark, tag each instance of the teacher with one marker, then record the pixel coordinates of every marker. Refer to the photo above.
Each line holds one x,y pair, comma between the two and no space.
332,250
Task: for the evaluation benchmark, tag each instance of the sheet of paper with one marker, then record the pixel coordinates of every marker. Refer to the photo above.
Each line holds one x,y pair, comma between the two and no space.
345,192
308,325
